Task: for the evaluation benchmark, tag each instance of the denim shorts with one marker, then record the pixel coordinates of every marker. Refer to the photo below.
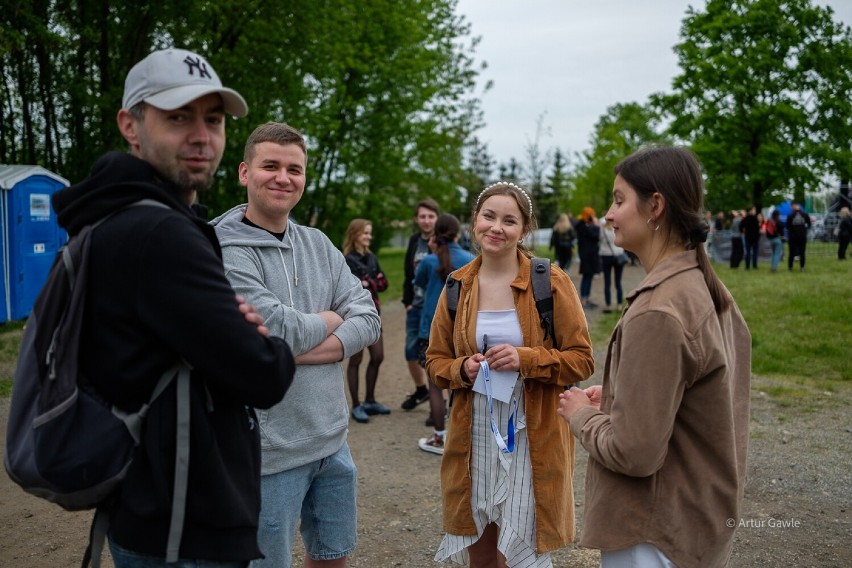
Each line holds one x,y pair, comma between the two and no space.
322,495
123,558
412,334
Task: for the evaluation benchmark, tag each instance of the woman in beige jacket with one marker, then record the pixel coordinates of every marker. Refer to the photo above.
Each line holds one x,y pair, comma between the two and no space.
508,458
667,432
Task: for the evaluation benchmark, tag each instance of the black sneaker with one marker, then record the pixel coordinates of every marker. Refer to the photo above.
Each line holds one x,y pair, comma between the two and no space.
417,397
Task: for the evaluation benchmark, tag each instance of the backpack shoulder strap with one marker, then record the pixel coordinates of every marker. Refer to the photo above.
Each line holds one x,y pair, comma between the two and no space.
452,288
540,276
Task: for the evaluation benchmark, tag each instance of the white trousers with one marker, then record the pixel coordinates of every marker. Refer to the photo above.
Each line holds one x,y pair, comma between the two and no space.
639,556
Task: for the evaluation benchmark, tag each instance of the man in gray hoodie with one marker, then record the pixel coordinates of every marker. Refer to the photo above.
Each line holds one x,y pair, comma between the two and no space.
300,283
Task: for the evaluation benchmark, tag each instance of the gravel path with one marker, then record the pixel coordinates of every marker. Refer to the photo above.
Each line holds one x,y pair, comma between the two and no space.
796,512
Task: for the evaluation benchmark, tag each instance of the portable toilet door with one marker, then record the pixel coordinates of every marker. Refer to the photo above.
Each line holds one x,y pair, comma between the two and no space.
30,232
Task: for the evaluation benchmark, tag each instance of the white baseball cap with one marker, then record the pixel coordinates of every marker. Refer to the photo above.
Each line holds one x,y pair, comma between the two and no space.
171,78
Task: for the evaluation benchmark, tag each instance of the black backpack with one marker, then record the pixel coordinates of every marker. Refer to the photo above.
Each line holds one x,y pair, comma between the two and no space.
64,442
540,276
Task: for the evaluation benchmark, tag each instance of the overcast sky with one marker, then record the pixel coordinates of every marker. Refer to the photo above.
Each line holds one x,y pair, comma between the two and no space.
570,60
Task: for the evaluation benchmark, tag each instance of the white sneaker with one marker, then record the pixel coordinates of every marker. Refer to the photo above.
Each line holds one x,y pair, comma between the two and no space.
433,444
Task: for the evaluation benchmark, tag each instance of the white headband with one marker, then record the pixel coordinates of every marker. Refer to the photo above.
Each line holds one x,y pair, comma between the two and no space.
506,184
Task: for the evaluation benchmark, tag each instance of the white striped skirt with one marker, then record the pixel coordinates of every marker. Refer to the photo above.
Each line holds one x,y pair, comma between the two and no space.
502,489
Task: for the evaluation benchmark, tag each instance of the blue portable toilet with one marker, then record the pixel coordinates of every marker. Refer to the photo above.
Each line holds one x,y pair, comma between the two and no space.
30,235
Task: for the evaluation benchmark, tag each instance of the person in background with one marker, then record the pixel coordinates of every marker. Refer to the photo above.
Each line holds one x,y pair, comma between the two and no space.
750,228
737,248
588,246
798,224
425,214
562,241
431,275
844,233
158,295
365,266
667,431
715,235
613,260
774,231
506,474
300,282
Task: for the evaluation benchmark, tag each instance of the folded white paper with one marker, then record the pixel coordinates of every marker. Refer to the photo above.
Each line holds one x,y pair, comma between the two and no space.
502,384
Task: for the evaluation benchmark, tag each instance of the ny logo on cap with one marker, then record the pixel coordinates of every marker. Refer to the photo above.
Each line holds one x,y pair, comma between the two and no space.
199,64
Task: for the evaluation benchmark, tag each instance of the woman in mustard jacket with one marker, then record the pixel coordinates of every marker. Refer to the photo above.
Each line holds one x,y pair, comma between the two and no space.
506,474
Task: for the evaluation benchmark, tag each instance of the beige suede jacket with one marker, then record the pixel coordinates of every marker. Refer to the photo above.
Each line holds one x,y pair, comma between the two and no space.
546,368
667,448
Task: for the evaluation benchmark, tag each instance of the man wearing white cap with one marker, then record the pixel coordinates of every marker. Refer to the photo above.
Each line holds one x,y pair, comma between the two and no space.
157,294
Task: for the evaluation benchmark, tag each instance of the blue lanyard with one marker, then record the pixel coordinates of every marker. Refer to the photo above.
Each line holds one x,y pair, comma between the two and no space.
507,444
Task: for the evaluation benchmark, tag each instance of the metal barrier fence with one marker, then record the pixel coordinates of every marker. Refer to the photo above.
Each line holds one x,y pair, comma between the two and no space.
720,247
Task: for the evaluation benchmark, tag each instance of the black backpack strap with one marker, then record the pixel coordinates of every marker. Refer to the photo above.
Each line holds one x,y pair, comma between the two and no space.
97,538
452,288
540,276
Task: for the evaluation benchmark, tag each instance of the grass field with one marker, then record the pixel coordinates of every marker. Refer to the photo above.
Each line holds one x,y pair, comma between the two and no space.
801,324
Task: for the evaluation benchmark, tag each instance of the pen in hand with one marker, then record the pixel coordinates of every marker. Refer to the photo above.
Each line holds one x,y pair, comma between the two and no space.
484,343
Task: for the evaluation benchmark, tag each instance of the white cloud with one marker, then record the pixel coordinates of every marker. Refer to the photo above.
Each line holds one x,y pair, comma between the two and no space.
572,59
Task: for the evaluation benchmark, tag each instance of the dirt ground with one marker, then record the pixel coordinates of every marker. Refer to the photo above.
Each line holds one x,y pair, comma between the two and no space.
796,511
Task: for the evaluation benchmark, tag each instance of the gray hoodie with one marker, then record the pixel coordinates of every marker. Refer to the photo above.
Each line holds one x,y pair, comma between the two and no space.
288,283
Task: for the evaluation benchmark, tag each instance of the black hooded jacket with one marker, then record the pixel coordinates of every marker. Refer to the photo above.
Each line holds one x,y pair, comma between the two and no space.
157,293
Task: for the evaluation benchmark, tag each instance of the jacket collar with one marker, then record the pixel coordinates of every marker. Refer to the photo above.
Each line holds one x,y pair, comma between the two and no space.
675,264
467,273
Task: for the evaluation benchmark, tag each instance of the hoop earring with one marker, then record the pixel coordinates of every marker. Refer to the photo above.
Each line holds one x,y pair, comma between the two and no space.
656,225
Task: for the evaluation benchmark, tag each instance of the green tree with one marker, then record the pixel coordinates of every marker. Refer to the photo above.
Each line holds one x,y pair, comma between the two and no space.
560,181
382,91
763,98
621,131
478,174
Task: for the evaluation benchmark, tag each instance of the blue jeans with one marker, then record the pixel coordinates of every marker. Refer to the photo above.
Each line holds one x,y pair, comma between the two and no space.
123,558
586,285
322,495
777,250
412,333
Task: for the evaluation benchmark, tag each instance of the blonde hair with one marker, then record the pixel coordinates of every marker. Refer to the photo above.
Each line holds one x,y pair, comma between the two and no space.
356,229
563,223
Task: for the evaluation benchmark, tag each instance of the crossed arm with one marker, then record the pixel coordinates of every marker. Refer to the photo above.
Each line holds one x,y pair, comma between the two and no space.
331,349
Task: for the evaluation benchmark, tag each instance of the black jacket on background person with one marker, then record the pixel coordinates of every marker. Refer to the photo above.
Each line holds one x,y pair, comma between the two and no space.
798,223
588,246
158,293
408,292
750,228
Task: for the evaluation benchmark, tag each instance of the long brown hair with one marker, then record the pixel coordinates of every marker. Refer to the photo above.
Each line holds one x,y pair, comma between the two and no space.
675,173
447,229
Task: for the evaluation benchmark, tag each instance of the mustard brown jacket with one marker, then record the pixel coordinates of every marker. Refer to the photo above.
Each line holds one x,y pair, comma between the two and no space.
667,449
546,367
